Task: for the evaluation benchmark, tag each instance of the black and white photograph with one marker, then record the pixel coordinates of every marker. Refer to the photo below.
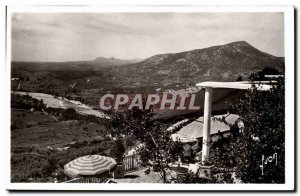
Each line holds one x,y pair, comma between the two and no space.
174,98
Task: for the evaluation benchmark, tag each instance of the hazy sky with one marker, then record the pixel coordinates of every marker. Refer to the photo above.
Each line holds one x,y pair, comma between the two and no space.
85,36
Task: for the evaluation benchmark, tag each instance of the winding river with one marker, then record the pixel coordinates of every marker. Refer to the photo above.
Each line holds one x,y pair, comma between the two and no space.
61,102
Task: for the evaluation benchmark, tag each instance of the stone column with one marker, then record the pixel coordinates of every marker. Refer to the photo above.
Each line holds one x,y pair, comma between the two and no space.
207,124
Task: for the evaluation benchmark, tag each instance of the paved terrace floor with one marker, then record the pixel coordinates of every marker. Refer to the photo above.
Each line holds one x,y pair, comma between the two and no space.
139,176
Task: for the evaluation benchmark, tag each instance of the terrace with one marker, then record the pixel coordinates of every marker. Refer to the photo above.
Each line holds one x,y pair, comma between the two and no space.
207,129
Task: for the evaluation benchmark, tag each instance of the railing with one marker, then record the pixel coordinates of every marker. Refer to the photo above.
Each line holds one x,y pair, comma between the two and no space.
131,162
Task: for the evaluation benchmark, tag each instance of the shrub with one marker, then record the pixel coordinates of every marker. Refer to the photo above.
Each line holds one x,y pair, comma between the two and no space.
263,115
129,141
118,151
35,173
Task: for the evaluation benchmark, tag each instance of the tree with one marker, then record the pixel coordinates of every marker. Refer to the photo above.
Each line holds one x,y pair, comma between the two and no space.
263,114
157,146
118,151
239,78
69,113
260,76
46,168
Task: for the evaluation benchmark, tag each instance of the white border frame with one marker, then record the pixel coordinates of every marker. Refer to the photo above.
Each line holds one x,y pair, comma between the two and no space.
289,100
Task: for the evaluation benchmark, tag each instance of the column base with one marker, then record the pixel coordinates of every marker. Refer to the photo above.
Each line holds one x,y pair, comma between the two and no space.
204,170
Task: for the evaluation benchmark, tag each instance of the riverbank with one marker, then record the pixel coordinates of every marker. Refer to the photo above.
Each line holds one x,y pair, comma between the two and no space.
61,102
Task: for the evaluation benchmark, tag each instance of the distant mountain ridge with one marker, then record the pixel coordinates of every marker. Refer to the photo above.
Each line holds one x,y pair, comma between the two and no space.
114,61
96,63
167,71
218,63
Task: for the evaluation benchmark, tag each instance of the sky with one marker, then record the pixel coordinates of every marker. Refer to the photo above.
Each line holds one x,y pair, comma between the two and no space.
86,36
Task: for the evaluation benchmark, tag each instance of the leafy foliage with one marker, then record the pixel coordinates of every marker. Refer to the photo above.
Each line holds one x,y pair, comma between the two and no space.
46,165
118,151
260,76
157,146
262,113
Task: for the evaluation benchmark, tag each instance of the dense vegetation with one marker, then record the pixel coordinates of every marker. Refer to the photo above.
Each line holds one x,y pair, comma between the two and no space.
257,155
157,146
47,165
45,139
